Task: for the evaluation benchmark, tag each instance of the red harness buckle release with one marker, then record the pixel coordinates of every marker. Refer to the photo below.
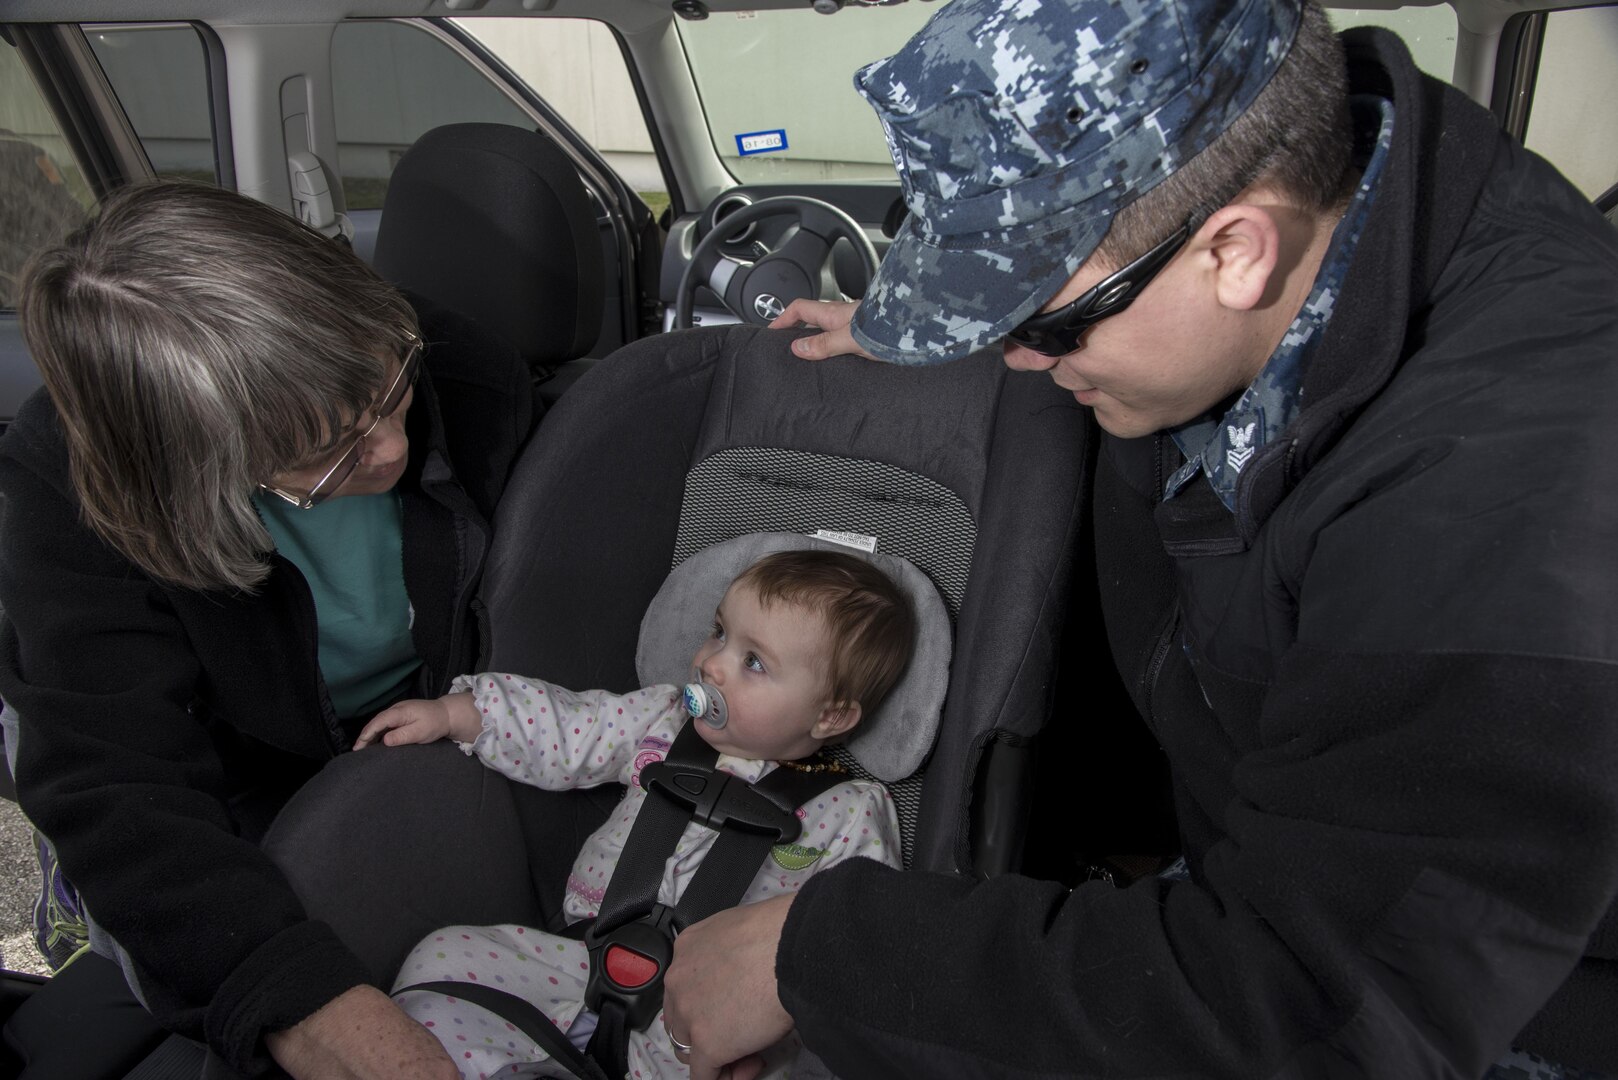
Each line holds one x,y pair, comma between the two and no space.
628,968
627,965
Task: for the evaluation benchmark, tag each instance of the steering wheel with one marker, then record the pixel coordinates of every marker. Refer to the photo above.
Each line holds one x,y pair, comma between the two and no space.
758,292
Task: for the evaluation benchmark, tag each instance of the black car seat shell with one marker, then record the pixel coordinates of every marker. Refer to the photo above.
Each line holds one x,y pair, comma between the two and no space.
971,471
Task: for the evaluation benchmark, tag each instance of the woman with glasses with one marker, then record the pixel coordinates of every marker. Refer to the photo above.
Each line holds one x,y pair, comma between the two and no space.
249,509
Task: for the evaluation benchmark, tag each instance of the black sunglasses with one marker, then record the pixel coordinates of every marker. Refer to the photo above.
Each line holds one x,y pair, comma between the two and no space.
1059,332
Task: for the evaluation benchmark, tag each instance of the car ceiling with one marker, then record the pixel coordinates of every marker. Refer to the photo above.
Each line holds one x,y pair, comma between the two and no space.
1481,16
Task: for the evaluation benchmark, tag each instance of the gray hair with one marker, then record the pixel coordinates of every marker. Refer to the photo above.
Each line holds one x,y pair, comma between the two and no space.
196,343
1296,137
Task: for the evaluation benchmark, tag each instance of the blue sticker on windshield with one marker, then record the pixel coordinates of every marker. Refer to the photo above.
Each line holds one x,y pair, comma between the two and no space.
761,142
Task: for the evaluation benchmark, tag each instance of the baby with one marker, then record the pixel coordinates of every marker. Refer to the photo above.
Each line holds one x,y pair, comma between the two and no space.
804,644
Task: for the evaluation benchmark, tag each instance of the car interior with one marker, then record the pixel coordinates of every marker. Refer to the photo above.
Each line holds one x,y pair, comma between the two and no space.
628,191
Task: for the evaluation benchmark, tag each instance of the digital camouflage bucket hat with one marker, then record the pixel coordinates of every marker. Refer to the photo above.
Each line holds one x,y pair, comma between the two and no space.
1020,127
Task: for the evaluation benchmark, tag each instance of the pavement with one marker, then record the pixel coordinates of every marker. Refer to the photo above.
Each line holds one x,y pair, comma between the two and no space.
19,885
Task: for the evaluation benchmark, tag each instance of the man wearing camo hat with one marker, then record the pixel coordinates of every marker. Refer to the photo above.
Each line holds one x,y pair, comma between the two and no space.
1355,354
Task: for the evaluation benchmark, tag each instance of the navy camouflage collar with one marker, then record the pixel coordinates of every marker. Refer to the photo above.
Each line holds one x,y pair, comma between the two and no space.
1222,447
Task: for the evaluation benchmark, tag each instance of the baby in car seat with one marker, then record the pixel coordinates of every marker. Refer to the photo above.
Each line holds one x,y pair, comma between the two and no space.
803,646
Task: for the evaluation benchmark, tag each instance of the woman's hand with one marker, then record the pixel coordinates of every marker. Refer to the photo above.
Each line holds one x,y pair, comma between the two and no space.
831,316
720,995
423,721
360,1035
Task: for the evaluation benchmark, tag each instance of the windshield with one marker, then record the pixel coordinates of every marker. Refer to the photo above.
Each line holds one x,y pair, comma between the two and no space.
778,89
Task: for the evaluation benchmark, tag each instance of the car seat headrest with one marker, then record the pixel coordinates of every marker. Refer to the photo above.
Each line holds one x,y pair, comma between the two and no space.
494,222
892,742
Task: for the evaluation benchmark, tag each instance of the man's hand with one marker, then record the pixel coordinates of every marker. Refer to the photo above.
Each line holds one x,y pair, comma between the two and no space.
360,1035
831,316
719,994
423,721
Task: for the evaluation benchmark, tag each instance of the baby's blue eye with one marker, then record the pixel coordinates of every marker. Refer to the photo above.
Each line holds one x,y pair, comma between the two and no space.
717,633
753,663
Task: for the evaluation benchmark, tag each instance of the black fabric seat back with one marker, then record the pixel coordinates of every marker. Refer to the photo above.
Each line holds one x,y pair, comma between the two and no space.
494,222
972,472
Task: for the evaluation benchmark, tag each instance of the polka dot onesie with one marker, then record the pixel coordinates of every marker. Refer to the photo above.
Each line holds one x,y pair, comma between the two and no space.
553,738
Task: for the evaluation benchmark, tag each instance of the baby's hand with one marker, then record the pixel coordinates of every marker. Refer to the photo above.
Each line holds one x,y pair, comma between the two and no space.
412,721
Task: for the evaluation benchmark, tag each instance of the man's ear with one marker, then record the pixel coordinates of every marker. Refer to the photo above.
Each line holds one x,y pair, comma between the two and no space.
838,718
1241,246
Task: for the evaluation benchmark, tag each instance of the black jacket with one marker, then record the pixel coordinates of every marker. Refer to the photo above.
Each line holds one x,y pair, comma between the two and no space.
162,727
1387,687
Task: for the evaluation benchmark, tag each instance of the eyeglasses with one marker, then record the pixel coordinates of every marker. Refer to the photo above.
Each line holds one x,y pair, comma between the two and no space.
345,465
1059,332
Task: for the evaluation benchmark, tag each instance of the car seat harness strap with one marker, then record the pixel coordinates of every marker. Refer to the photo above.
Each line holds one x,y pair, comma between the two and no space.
526,1017
632,938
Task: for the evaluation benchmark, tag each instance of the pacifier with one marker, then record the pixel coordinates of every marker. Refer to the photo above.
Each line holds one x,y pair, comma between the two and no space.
704,702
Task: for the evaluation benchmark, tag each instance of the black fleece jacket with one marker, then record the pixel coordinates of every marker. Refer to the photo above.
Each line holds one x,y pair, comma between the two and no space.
161,727
1386,686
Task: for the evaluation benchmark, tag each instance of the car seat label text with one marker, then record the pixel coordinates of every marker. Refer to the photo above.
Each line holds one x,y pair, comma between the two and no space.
864,543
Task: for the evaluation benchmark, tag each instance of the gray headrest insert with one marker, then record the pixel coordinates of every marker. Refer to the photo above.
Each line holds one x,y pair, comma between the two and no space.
893,742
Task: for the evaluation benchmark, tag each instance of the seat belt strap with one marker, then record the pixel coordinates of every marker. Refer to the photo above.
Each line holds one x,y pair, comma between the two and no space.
527,1018
737,853
750,820
631,940
658,826
609,1043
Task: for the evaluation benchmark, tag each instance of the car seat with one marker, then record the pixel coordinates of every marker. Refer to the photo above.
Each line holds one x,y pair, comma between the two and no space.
970,471
494,222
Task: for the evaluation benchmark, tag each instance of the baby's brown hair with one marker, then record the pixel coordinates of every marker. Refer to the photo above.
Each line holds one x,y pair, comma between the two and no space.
870,621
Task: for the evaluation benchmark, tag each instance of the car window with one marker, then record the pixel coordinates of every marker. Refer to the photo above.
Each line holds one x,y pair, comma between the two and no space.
1428,32
1570,121
159,73
577,66
391,83
778,87
42,190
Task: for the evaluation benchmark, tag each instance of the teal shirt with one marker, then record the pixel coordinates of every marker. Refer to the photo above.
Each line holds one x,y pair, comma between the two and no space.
351,551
